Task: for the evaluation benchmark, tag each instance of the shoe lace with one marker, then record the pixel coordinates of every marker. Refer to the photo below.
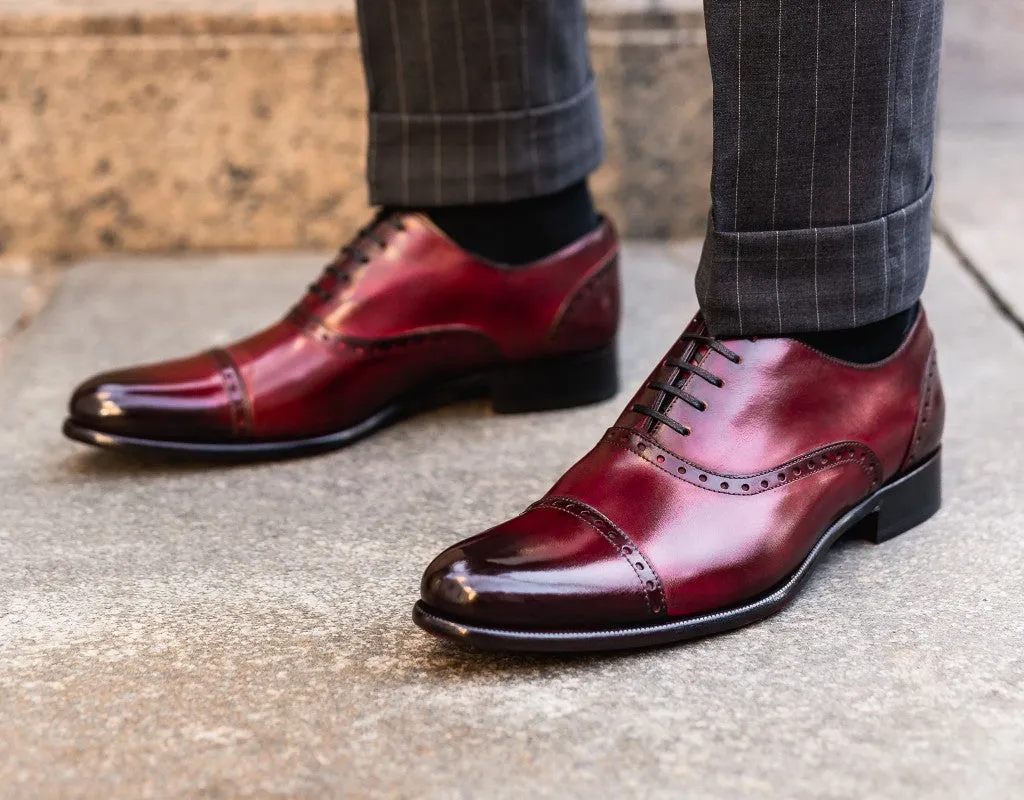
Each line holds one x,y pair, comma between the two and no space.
354,253
674,388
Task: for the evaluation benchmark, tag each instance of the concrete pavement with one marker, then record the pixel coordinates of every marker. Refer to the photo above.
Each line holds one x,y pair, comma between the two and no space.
244,632
175,631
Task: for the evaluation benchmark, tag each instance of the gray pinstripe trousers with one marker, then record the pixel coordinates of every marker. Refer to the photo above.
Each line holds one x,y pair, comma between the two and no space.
823,132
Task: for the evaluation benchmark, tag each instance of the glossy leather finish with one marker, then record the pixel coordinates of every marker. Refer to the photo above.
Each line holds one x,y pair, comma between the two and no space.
654,526
402,311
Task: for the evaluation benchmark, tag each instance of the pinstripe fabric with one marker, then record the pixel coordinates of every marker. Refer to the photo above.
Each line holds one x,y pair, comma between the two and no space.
823,130
821,193
477,101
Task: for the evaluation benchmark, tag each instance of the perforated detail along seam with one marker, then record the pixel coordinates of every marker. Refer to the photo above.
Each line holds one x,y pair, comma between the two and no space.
234,387
650,582
829,457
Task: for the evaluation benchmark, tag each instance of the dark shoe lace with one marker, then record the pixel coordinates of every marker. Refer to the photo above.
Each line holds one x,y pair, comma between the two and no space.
353,253
675,389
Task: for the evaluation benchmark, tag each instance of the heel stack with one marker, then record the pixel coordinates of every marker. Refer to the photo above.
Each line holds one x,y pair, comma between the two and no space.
562,382
905,503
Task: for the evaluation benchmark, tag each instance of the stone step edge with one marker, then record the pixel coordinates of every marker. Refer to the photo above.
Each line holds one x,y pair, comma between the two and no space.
623,17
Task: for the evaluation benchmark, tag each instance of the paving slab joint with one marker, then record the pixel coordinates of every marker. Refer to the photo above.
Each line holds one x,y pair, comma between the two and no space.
43,280
965,262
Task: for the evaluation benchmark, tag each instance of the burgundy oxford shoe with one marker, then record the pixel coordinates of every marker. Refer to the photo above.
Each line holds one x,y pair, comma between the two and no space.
403,319
706,506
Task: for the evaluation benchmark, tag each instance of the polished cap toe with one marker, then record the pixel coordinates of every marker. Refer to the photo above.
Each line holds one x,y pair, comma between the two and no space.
543,570
173,400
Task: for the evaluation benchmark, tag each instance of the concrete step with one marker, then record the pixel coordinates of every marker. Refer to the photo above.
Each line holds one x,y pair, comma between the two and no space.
172,125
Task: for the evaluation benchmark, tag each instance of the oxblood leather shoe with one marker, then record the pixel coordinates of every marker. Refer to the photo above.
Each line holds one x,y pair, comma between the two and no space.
706,506
402,319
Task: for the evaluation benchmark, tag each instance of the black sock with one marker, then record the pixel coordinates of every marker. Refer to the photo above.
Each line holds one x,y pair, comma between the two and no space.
866,344
522,231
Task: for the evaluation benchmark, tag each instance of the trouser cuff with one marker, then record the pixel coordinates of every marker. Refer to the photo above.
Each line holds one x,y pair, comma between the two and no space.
423,160
767,283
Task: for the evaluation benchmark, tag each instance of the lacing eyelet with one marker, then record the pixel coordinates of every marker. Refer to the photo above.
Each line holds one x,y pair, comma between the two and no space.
675,389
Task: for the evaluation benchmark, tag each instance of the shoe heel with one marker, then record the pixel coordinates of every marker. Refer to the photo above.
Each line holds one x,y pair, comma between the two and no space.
562,382
905,503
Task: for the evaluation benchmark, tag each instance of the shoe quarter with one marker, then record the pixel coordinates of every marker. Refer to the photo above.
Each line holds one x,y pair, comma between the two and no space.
423,282
785,399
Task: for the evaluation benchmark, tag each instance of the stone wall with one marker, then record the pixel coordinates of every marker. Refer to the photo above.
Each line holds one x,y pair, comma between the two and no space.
234,124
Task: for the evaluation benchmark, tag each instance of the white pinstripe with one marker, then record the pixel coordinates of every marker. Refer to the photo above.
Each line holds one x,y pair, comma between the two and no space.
432,85
937,20
849,219
402,107
903,183
460,52
552,93
933,90
524,33
885,165
739,133
496,88
775,193
814,156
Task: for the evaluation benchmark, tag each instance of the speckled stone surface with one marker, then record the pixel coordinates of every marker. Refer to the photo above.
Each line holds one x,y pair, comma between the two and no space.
12,289
135,17
47,18
184,125
173,631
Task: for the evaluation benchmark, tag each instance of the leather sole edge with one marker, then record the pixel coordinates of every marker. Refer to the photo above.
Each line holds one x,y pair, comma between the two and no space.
255,451
548,384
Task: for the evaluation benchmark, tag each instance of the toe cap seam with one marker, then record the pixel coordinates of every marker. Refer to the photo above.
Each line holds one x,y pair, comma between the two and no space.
236,390
651,585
